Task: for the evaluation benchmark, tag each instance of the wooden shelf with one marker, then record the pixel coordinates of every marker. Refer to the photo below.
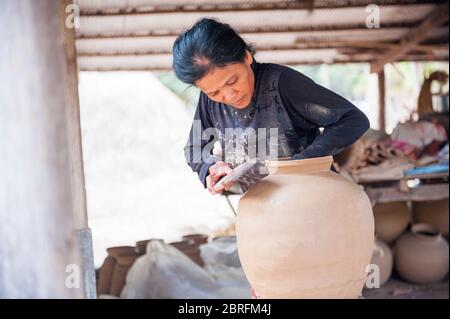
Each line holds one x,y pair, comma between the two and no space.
430,187
419,193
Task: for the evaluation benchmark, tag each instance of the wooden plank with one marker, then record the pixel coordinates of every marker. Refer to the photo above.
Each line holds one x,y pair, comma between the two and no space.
354,58
125,9
303,45
74,127
147,68
257,30
408,177
427,176
77,179
420,193
435,19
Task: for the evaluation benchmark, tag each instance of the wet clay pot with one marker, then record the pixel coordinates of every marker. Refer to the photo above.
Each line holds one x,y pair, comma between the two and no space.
391,220
421,255
434,213
382,257
305,232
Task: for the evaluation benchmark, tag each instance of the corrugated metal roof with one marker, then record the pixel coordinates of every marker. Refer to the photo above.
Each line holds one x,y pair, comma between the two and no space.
138,34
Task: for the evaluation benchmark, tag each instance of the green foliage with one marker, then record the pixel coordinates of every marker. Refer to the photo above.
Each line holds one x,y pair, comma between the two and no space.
187,93
348,80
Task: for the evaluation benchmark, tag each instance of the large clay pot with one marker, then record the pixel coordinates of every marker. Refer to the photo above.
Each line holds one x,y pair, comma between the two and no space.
305,232
421,255
196,239
191,250
118,251
382,257
141,246
105,276
391,220
123,264
124,257
434,213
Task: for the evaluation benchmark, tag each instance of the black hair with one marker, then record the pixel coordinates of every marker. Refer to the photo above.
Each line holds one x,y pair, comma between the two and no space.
207,44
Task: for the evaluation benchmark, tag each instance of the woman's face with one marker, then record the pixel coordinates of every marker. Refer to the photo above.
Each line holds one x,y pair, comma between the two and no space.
232,84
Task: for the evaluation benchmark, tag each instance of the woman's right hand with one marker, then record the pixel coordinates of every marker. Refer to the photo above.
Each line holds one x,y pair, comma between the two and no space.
216,171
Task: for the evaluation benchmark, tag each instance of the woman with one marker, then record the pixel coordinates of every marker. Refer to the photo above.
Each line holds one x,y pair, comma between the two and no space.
251,98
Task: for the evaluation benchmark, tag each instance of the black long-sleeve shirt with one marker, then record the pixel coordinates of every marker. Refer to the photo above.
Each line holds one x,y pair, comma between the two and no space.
288,100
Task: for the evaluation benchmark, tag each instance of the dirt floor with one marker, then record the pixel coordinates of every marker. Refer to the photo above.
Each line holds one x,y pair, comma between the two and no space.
397,288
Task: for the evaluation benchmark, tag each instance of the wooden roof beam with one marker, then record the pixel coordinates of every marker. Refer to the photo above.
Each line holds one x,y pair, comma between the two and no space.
147,68
435,19
300,46
257,30
308,43
241,7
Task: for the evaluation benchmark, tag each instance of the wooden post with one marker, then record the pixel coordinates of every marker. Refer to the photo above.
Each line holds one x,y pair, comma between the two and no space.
381,100
75,150
39,249
73,116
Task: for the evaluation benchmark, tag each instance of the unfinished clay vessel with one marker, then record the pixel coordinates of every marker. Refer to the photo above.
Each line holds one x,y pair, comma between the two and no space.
421,255
434,213
391,220
382,257
305,232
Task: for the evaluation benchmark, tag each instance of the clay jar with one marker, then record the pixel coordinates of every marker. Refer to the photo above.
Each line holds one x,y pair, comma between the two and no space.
382,257
190,250
421,255
124,257
141,246
123,264
105,276
305,232
196,239
391,220
434,213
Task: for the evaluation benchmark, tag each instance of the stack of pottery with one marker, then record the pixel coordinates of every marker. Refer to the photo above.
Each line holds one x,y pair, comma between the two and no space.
190,246
434,213
422,255
383,258
305,232
420,251
141,246
391,220
113,272
196,239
